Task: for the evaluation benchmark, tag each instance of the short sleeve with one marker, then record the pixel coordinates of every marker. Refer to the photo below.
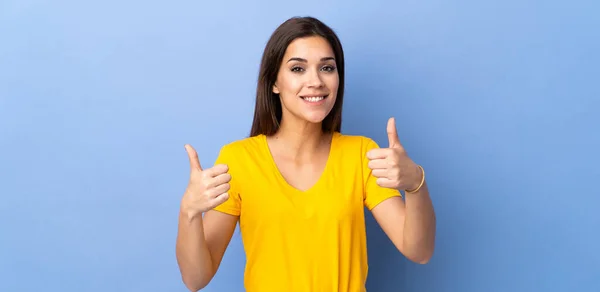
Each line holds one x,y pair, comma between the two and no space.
233,204
373,193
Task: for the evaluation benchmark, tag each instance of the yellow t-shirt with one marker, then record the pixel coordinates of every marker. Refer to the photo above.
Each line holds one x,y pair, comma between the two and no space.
307,241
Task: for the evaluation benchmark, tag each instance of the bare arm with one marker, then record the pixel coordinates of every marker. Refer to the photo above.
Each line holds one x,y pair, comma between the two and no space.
201,243
410,226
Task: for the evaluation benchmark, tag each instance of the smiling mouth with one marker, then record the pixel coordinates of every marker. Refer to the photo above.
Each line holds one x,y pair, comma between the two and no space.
314,98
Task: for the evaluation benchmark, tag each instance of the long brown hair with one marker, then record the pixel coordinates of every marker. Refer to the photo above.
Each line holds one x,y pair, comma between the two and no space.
267,110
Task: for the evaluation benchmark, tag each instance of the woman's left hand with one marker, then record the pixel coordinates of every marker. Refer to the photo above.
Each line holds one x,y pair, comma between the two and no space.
392,166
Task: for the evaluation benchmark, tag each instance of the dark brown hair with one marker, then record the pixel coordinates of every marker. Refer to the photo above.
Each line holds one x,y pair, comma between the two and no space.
267,110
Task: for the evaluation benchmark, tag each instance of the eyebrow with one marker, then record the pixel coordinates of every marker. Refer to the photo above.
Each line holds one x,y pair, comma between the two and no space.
305,61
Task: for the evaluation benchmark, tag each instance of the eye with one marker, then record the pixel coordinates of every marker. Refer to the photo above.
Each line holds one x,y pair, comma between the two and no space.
297,69
328,68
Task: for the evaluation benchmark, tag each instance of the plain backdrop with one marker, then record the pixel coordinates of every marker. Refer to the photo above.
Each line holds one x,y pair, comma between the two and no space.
498,100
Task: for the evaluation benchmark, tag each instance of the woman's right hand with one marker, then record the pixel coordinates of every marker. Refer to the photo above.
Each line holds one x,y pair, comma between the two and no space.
206,189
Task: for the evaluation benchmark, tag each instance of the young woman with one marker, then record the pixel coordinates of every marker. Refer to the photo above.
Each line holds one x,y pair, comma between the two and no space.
298,186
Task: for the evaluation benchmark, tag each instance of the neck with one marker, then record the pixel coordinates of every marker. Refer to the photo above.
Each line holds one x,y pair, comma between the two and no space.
301,140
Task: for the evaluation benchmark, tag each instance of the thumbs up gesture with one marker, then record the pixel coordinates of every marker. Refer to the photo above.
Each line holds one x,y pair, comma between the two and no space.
207,188
392,166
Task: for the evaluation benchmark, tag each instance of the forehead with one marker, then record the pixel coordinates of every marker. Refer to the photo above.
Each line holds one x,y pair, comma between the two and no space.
313,47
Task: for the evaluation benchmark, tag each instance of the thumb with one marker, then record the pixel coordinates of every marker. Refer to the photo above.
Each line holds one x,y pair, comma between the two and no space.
193,156
393,133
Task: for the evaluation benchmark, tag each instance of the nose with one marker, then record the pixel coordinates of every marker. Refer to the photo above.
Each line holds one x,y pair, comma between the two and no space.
314,79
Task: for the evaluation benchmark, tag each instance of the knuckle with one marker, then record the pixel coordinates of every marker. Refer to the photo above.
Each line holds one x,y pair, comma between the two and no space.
209,193
220,200
221,168
225,197
226,187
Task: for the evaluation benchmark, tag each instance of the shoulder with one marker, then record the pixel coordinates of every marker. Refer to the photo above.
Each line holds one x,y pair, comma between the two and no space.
250,144
242,147
355,142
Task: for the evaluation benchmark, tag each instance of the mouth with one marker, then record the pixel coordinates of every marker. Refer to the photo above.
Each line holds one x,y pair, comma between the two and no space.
314,99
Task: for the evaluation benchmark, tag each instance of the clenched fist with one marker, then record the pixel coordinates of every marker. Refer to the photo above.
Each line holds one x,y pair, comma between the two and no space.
206,189
392,166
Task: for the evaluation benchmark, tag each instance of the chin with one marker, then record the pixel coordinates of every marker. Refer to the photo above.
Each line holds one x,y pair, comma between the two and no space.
315,117
317,113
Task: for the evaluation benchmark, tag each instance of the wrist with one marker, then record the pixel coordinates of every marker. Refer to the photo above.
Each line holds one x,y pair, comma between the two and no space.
418,181
188,213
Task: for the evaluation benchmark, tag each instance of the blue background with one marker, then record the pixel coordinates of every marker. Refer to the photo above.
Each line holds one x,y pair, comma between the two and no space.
498,100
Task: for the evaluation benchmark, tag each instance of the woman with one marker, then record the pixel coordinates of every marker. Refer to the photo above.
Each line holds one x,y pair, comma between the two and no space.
298,186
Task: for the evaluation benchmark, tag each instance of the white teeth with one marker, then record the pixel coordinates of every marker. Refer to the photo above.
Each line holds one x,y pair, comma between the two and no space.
314,98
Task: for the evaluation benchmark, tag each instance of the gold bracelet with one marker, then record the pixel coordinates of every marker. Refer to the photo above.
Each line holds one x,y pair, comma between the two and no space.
420,185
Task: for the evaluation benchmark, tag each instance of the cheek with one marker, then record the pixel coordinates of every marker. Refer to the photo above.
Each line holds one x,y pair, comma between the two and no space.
289,89
289,84
332,81
333,86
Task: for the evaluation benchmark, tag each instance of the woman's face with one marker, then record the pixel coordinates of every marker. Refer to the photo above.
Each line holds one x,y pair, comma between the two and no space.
308,80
